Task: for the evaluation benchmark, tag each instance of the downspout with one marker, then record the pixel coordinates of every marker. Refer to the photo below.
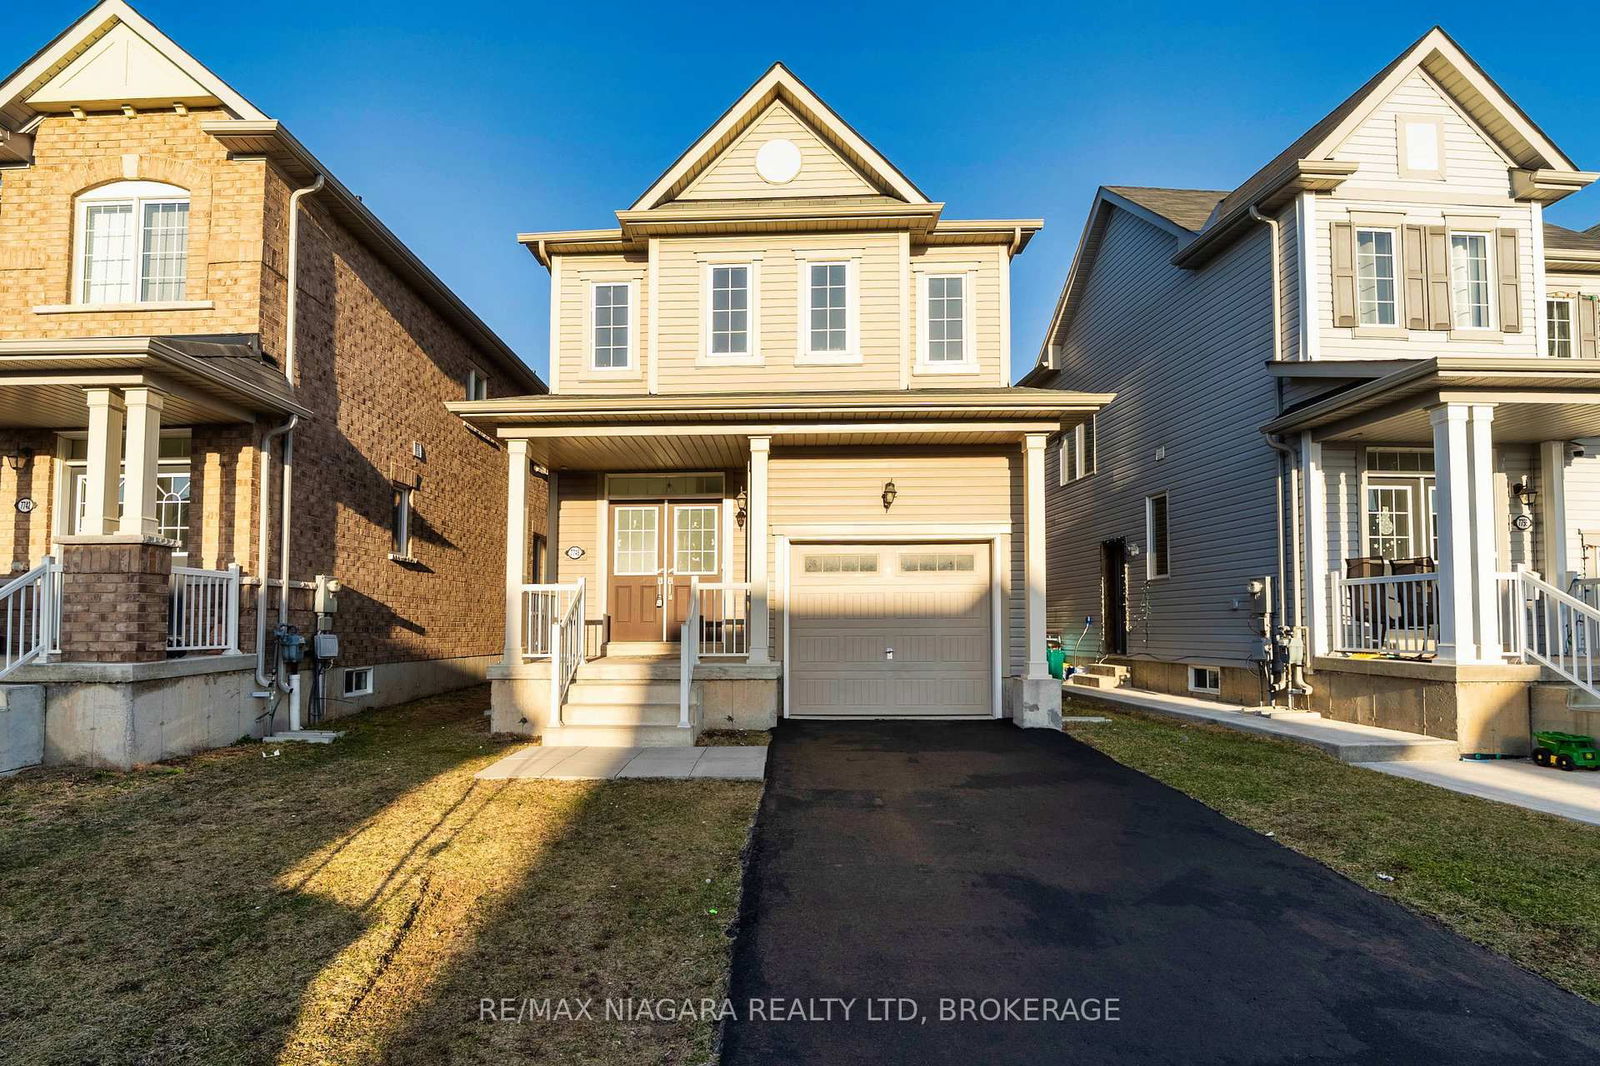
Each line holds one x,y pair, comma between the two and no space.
1298,682
286,431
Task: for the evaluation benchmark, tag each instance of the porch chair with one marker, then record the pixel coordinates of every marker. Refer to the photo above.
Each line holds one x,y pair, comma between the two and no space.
1418,612
1362,606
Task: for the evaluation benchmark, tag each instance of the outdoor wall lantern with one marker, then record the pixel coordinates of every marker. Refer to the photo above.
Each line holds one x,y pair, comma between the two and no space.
1524,492
17,458
742,503
889,494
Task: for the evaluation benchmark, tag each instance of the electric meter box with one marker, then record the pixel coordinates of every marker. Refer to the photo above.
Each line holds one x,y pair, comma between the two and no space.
327,645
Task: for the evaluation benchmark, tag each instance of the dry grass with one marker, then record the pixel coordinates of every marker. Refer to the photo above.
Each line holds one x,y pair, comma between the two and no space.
353,904
735,738
1520,882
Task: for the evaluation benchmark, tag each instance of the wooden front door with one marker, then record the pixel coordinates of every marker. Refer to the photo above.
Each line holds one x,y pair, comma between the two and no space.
696,552
634,587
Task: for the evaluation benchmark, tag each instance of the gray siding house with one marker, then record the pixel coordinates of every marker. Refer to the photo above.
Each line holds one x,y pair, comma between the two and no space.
1354,463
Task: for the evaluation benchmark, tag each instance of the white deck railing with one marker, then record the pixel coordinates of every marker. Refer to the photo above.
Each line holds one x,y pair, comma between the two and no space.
688,652
1397,614
543,605
204,615
28,606
566,651
724,614
1553,628
1587,589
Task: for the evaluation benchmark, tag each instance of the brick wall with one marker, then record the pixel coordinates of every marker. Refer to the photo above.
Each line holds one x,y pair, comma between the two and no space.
114,602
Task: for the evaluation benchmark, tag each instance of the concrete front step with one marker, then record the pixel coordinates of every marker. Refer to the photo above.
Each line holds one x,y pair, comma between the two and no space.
625,648
620,736
1121,673
619,714
1288,716
1094,681
627,691
630,668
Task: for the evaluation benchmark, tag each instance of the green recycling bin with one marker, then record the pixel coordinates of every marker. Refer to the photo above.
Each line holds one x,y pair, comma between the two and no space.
1057,658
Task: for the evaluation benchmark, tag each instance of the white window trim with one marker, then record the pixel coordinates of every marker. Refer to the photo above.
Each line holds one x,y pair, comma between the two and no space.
475,379
1403,123
752,357
969,347
1150,537
1205,690
1491,276
1396,278
62,516
364,690
1572,326
138,193
1063,454
401,538
804,356
632,368
1080,436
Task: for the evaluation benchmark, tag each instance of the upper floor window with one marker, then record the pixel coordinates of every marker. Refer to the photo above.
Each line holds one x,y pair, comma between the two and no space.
1558,320
730,310
1078,451
946,321
133,243
1158,563
1421,148
1469,280
830,294
1375,279
477,385
613,332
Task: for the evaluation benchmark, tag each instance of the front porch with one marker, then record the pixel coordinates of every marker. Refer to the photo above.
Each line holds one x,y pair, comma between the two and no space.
721,561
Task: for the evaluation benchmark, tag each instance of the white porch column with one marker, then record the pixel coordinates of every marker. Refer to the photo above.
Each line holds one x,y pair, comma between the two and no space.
105,461
758,537
1552,514
1488,516
143,459
1453,488
516,544
1033,551
1314,507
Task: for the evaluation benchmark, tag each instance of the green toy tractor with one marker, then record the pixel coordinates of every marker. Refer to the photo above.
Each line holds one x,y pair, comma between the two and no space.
1566,751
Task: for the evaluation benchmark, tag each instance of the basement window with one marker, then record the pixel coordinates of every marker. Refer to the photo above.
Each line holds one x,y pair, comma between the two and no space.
358,681
1206,680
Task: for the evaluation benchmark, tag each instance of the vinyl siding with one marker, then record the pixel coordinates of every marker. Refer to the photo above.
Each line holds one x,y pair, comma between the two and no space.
575,340
1289,282
1472,164
576,524
935,488
1184,352
823,172
1583,515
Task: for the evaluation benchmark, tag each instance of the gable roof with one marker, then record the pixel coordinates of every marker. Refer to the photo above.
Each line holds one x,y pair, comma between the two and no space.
1307,162
779,83
1563,239
1188,208
247,131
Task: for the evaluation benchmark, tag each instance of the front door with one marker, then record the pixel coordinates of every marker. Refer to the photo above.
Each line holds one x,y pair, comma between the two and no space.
635,585
696,552
1114,586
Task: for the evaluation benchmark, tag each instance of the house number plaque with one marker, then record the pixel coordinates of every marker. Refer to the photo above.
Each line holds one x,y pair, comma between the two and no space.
575,552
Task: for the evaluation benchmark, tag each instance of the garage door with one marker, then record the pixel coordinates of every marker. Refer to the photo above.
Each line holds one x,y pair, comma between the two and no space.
889,630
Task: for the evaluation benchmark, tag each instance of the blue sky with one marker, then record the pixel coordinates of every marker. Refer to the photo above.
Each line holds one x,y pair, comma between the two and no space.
466,122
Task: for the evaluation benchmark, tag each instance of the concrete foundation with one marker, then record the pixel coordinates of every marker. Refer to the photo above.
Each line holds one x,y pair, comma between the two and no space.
1033,703
1564,708
1484,708
394,683
21,726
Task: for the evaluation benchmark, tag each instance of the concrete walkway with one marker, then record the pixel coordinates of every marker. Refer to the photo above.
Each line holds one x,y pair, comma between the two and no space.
603,764
1345,741
1574,795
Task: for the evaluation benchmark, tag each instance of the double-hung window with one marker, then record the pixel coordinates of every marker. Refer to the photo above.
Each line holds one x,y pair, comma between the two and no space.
827,328
1558,321
946,323
730,311
1469,280
400,523
477,385
612,332
133,243
1078,452
1375,279
1157,560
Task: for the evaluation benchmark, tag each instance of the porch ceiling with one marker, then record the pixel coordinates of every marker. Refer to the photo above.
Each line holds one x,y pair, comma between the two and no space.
1536,399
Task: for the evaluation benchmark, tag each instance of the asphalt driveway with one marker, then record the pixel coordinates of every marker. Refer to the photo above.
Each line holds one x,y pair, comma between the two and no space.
901,868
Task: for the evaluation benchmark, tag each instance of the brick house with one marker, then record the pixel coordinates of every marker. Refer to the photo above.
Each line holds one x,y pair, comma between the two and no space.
196,317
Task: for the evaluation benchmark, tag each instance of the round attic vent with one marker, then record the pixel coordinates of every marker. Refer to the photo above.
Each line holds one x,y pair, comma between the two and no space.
778,162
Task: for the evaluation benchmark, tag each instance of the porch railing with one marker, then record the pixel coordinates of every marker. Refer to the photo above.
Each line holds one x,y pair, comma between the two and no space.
543,605
688,652
204,615
724,618
1553,628
1587,589
28,606
1395,614
566,635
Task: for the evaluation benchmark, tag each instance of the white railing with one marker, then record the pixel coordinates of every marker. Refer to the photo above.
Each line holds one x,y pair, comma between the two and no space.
566,635
1553,628
724,612
1397,614
28,605
543,605
688,652
204,614
1587,589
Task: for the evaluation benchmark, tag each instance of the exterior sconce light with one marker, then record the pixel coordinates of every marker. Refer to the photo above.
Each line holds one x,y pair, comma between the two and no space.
1524,492
742,505
17,458
889,494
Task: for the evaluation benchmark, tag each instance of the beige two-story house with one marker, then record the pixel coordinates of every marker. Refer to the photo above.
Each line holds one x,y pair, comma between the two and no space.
786,469
1353,463
222,389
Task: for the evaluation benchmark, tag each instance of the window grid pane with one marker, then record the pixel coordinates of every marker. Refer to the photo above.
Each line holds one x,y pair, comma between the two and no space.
1389,522
1558,315
166,248
694,541
611,326
1469,278
637,545
828,329
1375,282
108,252
730,310
946,319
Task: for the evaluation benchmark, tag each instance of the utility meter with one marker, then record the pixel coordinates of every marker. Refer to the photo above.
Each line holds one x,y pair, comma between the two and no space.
326,598
291,645
325,645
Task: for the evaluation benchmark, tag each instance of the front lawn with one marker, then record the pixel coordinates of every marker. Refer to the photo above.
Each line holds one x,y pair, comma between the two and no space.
1520,882
356,903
